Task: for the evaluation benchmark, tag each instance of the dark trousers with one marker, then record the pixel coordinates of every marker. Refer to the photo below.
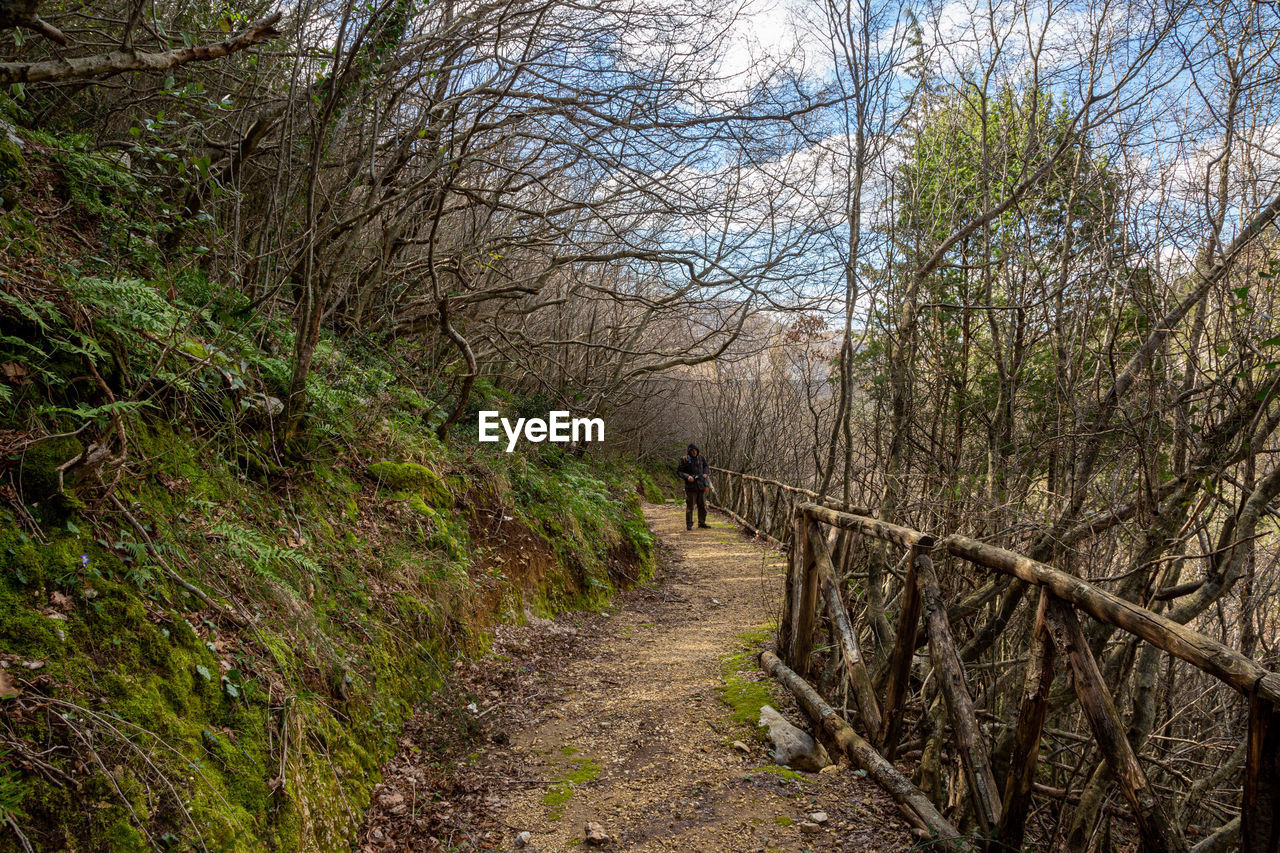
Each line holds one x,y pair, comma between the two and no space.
691,497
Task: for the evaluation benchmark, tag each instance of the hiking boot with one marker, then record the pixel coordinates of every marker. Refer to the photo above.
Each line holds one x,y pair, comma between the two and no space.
688,527
705,526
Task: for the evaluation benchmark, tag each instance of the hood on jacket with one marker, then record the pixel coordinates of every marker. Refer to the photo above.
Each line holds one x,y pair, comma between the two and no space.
691,449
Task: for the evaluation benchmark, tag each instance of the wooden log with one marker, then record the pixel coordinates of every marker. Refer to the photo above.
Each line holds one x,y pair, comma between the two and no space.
764,506
850,553
779,518
794,491
854,663
746,525
1159,833
837,552
1026,739
1223,838
807,604
870,526
1260,811
955,691
120,61
786,631
863,754
900,663
761,513
1178,640
728,496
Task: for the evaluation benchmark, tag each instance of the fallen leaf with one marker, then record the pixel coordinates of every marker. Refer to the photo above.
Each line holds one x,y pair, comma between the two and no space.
13,372
7,687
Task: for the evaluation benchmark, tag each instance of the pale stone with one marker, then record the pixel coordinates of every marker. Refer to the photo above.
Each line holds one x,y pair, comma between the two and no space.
792,746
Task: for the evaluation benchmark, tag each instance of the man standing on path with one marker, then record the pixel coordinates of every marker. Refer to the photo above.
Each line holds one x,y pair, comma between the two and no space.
693,471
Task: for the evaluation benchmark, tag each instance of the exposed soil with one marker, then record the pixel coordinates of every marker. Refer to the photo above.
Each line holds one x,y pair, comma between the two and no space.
616,719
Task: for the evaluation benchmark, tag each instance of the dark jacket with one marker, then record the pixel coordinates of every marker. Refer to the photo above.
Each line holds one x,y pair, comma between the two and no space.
693,466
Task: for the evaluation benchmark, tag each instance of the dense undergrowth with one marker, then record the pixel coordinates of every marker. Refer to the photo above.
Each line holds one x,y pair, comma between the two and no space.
211,638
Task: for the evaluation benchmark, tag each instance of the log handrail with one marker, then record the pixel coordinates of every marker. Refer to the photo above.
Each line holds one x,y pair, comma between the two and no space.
1204,653
813,582
873,527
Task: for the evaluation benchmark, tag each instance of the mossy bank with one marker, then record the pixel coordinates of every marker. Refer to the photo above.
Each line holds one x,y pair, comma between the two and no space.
211,635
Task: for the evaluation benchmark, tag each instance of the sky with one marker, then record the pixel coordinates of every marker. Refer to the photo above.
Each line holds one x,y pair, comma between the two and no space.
769,27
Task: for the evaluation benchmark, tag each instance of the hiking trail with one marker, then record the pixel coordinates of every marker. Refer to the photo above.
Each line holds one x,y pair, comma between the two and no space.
625,727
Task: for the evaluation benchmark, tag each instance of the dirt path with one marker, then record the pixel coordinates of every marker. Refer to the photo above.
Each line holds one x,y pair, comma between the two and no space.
628,729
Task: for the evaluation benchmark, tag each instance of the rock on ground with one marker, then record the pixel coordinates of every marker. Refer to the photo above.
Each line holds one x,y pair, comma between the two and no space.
594,834
792,746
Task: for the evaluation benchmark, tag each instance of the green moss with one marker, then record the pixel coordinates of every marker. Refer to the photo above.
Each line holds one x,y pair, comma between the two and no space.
742,689
27,572
415,478
555,798
785,772
146,653
416,503
38,468
561,791
649,490
122,837
586,771
783,820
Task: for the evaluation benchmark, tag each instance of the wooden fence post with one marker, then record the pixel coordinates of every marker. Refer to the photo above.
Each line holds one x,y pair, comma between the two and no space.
1260,812
791,512
807,602
791,597
904,649
1159,834
964,721
1026,742
778,527
854,662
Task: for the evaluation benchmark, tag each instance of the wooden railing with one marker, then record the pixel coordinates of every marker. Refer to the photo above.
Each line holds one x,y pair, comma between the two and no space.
812,531
765,507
